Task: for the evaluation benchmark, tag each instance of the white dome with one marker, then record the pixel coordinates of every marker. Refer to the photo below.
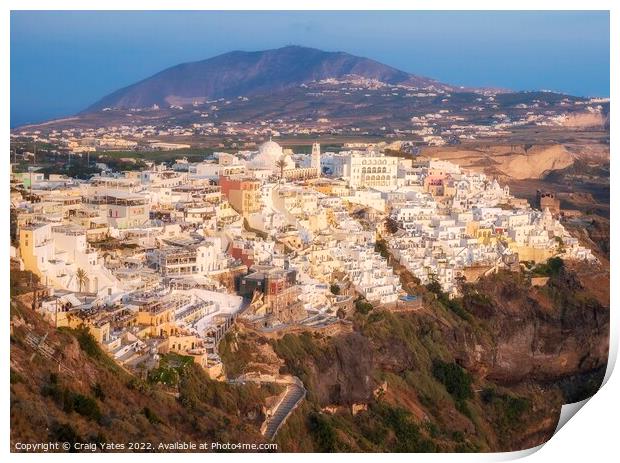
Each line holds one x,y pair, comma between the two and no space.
271,149
269,153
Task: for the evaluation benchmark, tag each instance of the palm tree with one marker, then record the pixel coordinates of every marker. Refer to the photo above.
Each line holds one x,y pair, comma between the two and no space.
281,163
81,277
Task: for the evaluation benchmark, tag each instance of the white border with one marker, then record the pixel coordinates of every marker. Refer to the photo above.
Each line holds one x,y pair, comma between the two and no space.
590,437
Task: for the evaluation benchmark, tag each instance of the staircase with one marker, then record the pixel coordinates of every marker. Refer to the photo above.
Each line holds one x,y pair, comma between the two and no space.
294,395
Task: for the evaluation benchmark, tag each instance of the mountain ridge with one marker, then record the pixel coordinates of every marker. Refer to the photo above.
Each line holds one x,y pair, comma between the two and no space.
243,73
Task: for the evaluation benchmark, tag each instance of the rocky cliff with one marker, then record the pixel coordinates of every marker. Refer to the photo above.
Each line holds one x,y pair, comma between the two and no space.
486,372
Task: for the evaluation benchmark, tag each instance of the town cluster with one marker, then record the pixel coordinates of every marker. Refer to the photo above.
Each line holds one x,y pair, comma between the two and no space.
440,117
166,259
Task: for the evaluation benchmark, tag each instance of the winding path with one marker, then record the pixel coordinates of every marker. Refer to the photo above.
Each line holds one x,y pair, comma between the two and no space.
293,397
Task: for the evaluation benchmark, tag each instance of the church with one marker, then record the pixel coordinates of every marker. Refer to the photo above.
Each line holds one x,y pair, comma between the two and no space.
271,159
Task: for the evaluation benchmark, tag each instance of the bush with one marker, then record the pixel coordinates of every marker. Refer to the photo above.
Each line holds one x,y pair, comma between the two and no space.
164,375
335,289
296,349
88,343
71,401
53,390
323,433
507,409
462,407
552,267
98,392
515,407
454,378
64,432
406,431
487,395
170,370
86,406
478,299
454,305
363,306
435,287
151,416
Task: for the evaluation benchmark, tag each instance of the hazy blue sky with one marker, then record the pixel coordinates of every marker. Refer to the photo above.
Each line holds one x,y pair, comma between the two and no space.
61,62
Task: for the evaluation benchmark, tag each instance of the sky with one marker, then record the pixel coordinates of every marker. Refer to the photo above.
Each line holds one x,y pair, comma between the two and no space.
63,61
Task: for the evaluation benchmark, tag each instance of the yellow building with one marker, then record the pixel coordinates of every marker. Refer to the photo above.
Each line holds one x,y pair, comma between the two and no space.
182,343
485,235
530,253
159,319
35,246
98,328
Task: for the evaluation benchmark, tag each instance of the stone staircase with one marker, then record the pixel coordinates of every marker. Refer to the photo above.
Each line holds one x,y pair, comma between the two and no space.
293,396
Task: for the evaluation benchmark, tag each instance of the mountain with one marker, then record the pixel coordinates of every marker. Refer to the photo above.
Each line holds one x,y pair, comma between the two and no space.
241,73
327,92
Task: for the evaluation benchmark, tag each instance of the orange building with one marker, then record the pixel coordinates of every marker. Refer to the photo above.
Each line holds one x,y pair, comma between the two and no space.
242,193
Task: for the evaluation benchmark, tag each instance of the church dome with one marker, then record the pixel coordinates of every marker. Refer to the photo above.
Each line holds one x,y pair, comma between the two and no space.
271,149
269,153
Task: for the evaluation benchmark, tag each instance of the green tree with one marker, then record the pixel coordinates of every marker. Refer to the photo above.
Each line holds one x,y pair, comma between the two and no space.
363,306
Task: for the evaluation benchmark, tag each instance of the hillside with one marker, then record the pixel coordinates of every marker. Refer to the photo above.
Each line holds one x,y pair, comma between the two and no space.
516,162
241,73
91,399
486,372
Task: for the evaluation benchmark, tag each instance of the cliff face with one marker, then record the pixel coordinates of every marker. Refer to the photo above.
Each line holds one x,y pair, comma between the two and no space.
488,372
540,333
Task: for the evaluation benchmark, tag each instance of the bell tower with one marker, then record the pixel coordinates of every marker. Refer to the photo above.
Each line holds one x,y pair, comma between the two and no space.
315,160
